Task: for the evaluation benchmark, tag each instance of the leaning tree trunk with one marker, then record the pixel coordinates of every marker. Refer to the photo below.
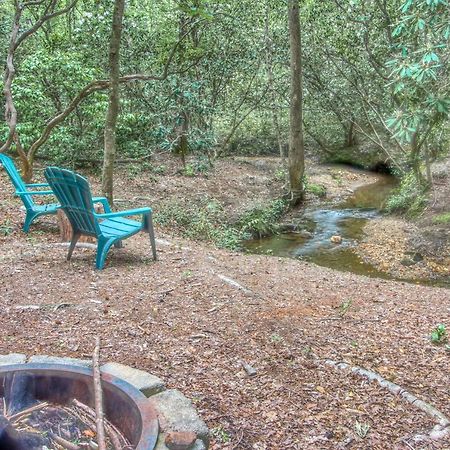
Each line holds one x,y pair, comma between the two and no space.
113,107
296,147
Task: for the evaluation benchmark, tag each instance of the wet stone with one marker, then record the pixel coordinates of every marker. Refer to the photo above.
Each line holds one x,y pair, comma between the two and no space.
407,262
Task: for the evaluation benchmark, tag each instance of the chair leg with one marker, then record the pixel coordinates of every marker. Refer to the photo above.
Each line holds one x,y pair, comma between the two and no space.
151,232
73,242
28,221
103,247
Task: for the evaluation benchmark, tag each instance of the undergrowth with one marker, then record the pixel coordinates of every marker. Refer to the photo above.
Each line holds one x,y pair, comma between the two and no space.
442,218
318,190
409,198
207,221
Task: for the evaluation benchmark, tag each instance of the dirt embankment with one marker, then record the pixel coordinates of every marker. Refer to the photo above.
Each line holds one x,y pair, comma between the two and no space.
414,249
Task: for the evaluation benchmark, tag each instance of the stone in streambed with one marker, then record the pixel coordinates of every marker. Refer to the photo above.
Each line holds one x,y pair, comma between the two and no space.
336,239
407,262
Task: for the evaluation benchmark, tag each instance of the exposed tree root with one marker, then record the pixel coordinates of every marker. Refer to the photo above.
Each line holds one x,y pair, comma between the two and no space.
440,431
234,283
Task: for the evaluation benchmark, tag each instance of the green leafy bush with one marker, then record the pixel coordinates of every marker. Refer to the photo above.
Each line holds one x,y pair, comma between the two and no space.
409,198
316,189
439,334
262,221
207,222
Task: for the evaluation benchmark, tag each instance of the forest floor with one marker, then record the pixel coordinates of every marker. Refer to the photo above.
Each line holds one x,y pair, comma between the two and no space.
197,313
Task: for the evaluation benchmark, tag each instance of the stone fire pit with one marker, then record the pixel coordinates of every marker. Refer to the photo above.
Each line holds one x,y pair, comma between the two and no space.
150,416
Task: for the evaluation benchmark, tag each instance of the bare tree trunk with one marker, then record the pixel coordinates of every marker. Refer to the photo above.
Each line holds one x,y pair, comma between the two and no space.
10,71
271,87
16,39
296,146
415,159
182,127
183,143
113,107
350,138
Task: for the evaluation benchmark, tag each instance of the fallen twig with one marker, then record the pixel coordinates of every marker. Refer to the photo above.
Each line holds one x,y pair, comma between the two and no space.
114,435
251,371
234,283
63,442
408,444
98,394
27,411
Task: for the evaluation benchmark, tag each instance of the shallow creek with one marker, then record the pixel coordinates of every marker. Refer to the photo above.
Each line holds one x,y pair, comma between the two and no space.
311,239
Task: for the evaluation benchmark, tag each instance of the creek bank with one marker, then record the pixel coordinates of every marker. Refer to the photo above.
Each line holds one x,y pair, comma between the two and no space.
419,248
373,244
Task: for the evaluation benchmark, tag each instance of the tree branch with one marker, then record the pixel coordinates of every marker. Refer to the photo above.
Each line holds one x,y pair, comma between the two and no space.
44,18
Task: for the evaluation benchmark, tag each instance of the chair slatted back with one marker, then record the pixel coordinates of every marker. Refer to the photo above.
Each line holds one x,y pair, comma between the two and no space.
74,195
16,179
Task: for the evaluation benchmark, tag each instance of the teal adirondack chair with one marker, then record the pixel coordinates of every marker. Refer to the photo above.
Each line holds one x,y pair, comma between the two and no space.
74,195
33,210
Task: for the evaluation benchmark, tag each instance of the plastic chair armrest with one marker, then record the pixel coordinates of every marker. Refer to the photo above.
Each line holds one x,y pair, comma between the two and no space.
130,212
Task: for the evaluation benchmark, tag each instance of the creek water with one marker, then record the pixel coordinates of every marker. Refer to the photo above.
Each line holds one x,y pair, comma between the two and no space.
311,239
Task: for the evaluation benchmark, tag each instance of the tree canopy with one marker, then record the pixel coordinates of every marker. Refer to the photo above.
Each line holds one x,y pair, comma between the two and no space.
211,79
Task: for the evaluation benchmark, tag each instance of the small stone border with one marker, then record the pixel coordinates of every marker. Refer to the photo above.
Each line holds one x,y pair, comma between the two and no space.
181,428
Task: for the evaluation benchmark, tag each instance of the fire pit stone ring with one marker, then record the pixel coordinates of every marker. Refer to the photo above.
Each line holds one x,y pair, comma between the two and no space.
160,418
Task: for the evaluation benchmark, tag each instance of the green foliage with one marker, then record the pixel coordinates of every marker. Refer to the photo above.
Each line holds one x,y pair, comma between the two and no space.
280,174
316,189
200,222
188,171
275,338
262,221
219,78
206,221
419,69
439,335
6,228
442,218
220,435
409,198
344,307
362,429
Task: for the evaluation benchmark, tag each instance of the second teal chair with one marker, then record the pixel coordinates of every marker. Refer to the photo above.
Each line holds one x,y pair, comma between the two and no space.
33,210
110,228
